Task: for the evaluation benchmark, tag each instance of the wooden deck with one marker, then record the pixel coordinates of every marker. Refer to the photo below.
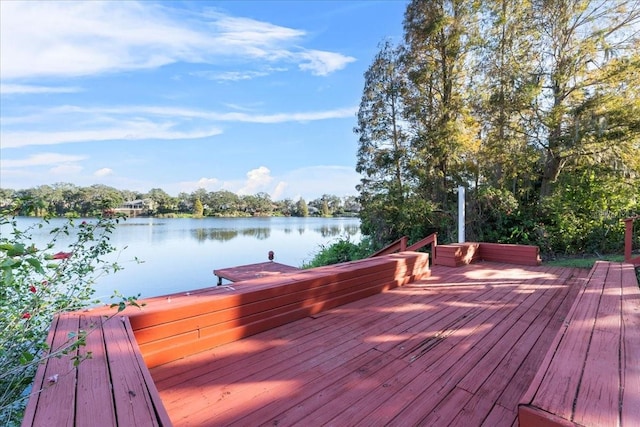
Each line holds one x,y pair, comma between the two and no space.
253,271
458,348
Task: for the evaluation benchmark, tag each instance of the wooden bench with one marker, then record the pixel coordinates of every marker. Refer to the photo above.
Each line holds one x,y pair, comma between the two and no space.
511,254
458,254
591,373
179,325
112,387
252,271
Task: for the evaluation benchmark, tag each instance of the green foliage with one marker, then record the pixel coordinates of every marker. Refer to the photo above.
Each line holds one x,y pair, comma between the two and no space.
325,212
198,209
35,284
69,201
583,262
342,250
301,208
584,213
493,216
531,105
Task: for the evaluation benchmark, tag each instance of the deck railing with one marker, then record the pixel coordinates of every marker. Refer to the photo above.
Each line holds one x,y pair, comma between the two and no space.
400,245
628,241
431,239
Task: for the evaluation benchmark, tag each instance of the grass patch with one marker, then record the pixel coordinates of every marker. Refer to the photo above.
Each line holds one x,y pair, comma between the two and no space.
583,261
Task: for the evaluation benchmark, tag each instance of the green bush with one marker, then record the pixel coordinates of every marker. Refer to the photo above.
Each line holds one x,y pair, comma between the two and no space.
584,214
342,250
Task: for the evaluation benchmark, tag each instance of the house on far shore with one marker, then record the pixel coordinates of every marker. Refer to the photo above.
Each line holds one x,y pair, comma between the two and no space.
136,207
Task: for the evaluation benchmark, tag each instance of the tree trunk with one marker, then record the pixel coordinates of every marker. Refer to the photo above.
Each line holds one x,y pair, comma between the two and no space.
552,167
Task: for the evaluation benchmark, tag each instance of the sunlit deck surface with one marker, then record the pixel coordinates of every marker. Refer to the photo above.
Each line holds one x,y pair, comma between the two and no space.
458,348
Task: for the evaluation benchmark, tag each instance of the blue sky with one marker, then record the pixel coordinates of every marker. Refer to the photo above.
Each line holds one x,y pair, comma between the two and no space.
246,96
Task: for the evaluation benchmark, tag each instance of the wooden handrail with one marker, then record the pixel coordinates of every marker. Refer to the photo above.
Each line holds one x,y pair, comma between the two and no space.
431,239
398,245
628,241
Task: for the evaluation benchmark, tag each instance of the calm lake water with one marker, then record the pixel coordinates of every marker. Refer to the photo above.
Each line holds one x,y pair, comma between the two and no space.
180,254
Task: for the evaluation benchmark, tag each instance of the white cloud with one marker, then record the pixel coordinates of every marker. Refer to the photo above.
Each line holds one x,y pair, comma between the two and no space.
10,89
89,38
138,130
41,159
86,124
257,181
233,76
309,183
322,63
312,182
277,193
103,172
66,170
209,184
177,112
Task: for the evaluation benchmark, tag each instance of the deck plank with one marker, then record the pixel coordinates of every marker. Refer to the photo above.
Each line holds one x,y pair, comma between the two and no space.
61,392
630,348
600,384
271,348
423,347
439,378
302,361
487,389
133,407
510,396
557,396
93,374
315,393
404,356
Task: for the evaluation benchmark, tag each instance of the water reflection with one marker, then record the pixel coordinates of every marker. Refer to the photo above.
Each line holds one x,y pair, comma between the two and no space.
217,234
258,233
335,230
263,233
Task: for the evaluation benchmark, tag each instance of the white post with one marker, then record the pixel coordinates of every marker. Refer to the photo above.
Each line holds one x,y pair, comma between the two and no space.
461,212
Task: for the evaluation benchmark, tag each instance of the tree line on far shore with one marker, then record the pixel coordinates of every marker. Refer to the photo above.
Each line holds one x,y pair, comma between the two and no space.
69,200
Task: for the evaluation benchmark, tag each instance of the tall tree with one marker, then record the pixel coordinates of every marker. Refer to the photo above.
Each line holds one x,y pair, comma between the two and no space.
586,48
382,153
301,208
439,37
382,158
198,209
163,202
505,87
